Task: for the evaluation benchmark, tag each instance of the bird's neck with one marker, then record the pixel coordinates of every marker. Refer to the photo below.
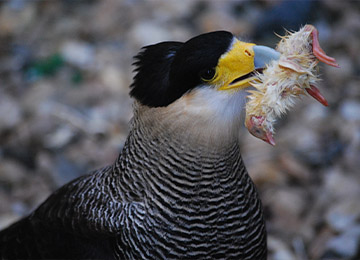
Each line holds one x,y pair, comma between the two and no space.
189,125
188,186
184,132
156,154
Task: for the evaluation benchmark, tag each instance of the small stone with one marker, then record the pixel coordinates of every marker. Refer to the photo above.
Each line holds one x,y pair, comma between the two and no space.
340,185
98,120
294,167
346,244
165,10
319,242
315,113
287,206
290,201
11,171
60,137
10,113
16,17
350,110
217,19
146,33
344,215
307,140
266,172
279,249
352,154
353,89
113,78
78,53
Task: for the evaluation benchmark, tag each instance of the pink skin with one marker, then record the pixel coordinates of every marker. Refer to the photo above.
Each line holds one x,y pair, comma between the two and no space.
317,50
315,93
321,56
255,126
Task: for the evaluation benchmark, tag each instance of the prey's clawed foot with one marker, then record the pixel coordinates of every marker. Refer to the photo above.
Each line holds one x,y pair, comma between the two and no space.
317,50
315,93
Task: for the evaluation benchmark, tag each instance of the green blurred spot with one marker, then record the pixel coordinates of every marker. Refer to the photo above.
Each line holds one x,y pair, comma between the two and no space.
77,77
48,66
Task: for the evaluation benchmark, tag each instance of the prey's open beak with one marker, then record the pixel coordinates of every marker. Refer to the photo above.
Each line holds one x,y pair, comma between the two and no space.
239,65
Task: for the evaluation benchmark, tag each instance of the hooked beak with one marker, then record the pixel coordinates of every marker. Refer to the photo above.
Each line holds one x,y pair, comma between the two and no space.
264,55
246,59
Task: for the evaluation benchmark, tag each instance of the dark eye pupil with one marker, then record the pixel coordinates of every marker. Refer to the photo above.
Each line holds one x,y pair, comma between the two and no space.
207,74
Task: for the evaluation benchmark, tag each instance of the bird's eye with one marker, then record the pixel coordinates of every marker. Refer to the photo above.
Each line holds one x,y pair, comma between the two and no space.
207,74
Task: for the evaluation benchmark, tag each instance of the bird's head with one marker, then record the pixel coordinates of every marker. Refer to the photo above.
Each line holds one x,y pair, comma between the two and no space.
196,85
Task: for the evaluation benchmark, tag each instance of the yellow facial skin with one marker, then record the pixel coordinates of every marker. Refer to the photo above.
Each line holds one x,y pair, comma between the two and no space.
236,63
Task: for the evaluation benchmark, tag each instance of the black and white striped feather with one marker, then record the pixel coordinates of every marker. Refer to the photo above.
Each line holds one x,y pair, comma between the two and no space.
164,198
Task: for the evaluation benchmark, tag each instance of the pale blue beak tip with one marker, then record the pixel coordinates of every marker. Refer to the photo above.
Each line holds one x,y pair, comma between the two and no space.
264,55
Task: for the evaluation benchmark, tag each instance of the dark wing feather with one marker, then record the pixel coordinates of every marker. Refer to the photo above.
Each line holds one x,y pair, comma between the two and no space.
16,242
80,220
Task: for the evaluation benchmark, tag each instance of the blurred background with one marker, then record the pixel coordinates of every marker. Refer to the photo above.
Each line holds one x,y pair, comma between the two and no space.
65,71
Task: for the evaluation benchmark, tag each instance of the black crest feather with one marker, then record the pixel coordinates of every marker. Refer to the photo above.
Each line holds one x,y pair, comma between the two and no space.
151,82
167,70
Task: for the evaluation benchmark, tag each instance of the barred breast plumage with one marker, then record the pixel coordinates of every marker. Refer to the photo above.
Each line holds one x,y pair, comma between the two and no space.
197,203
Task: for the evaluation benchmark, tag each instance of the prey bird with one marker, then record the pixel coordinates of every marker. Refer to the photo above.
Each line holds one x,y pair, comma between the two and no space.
283,80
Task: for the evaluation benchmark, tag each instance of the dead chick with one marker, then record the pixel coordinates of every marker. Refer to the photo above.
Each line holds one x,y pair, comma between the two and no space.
284,80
